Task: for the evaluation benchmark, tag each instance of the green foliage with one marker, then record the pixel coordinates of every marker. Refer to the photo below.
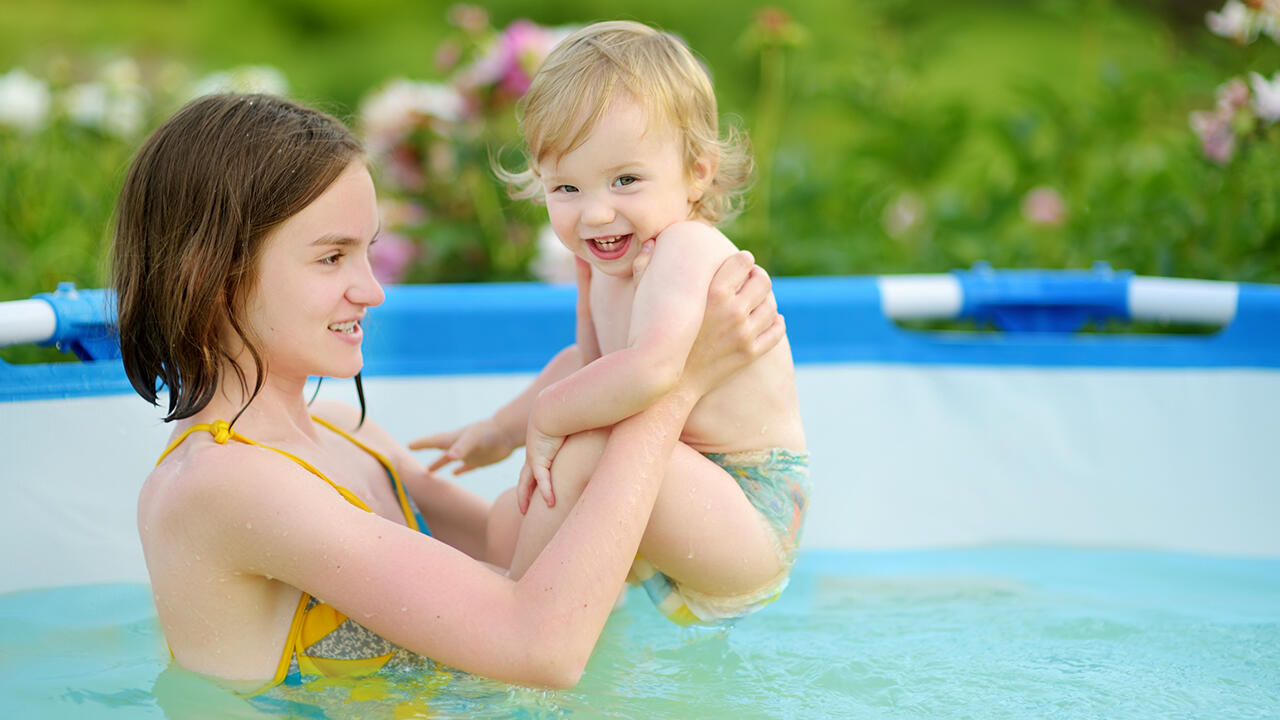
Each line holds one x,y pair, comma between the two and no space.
892,136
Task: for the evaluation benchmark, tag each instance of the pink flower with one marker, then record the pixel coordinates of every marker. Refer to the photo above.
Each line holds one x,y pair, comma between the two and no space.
389,114
403,167
391,257
1217,139
470,18
1232,95
398,214
513,59
1043,205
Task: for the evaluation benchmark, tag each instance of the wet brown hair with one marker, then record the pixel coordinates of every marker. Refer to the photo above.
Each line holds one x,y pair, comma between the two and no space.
203,193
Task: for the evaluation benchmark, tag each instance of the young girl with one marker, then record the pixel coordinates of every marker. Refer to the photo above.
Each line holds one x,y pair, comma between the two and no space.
285,541
623,145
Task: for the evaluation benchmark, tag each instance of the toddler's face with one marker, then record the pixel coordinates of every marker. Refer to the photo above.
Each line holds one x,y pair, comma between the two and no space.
622,186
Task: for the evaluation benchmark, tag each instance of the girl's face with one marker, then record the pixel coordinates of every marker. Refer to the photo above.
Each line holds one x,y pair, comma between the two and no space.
623,186
315,282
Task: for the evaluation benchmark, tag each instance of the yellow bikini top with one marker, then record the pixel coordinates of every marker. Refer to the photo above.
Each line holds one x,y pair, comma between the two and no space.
322,641
222,431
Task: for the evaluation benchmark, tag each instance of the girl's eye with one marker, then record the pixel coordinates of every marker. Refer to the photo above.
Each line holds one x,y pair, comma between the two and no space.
564,188
330,259
625,180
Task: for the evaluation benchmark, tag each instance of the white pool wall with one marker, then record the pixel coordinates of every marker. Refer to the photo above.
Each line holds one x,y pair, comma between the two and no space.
904,456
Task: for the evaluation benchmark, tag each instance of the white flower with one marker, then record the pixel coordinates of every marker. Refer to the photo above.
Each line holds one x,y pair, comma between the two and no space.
243,79
118,111
121,72
553,263
24,101
904,214
1266,96
1234,21
388,114
86,104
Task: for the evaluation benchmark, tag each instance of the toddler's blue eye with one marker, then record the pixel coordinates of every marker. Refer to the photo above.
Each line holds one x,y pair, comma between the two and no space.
624,180
564,188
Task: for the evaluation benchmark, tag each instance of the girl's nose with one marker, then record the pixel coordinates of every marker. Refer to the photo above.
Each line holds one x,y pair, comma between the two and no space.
365,288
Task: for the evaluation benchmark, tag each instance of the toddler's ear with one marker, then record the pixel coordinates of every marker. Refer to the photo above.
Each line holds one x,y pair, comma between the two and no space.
701,175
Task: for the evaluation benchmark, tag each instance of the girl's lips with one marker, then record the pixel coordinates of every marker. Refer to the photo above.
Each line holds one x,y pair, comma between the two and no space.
612,249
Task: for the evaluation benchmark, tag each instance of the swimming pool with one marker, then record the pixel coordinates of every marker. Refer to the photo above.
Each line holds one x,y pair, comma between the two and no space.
1031,522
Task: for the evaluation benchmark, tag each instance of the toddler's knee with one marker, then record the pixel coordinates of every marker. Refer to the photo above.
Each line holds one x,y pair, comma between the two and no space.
577,459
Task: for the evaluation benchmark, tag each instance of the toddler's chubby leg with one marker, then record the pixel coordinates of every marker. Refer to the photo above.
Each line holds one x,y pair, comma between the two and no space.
502,530
570,471
703,532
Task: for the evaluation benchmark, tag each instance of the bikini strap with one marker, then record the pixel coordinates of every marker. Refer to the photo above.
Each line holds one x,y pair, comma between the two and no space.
222,431
405,507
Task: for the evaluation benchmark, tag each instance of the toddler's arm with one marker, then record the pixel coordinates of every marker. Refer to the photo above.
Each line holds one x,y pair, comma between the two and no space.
492,439
666,315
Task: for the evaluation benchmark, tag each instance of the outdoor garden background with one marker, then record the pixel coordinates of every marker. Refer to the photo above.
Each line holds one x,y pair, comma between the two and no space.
891,136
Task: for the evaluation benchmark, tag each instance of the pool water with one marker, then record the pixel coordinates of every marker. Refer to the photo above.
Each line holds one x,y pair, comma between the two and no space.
1003,632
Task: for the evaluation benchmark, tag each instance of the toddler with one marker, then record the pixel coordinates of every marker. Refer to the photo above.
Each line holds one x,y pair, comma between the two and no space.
623,146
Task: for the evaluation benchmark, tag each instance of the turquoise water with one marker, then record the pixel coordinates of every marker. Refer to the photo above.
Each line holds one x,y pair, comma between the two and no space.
989,633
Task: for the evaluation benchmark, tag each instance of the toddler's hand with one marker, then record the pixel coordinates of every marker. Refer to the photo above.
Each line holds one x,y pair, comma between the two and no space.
641,262
476,445
539,449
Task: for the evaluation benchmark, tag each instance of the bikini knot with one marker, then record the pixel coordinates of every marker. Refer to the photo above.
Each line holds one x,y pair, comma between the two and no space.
221,431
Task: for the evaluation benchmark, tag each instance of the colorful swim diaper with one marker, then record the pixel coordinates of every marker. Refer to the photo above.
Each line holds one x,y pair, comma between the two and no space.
776,481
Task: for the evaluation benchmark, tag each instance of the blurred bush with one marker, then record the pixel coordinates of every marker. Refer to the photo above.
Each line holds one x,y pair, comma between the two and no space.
890,136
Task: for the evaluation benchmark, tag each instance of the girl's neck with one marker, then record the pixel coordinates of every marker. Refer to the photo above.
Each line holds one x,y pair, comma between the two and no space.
279,407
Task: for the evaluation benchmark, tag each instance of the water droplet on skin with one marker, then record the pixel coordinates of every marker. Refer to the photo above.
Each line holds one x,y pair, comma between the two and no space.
404,608
248,526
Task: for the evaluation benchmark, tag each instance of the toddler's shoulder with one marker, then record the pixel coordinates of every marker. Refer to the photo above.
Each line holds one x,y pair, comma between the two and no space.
691,237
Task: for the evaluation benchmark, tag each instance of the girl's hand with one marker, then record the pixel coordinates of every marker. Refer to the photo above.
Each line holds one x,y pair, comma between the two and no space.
741,323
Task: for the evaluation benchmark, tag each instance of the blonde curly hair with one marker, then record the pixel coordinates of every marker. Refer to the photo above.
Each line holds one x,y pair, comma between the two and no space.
583,75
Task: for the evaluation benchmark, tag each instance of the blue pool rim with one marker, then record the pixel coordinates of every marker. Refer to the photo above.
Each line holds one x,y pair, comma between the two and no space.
458,329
